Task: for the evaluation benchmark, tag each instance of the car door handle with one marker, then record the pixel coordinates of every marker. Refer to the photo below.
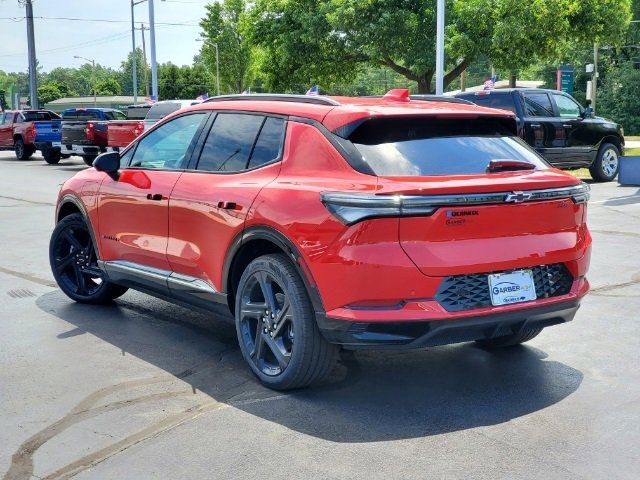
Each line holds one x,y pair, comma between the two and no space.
567,125
535,125
154,196
227,205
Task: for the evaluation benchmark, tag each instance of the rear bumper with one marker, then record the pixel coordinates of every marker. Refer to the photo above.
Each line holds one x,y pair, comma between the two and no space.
427,333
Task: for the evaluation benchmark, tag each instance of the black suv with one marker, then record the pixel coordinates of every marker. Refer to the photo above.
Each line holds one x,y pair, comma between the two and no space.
567,135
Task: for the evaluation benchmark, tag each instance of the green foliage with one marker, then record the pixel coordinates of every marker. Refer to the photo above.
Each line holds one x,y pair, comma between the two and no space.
48,93
125,75
619,98
109,86
224,25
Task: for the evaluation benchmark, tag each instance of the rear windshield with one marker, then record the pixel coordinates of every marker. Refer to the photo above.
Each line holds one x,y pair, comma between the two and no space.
81,115
137,113
115,115
428,146
38,116
161,110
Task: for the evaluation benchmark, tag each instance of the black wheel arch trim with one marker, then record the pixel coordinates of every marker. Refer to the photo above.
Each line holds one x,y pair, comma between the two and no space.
72,199
264,232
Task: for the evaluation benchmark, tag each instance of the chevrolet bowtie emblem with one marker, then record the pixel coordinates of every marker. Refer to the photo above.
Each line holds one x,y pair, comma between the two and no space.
517,197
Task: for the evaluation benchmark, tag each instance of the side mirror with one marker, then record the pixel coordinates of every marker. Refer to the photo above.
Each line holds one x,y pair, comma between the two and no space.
108,163
588,112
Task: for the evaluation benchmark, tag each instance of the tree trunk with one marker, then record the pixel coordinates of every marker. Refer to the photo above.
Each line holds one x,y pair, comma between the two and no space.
512,80
424,83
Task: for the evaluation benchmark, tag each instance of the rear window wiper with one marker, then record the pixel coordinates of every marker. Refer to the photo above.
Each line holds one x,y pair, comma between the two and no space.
502,165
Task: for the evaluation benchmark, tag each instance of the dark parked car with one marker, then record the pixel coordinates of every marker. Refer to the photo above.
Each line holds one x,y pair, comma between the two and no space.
566,134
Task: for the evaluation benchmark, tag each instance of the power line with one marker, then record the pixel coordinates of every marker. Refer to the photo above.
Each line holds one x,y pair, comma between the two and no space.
100,20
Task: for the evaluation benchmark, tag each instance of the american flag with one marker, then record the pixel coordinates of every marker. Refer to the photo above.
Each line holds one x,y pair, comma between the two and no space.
490,84
202,97
315,90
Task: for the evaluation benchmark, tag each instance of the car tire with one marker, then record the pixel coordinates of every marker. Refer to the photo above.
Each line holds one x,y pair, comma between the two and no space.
522,336
88,159
23,152
73,260
271,305
605,166
51,155
65,155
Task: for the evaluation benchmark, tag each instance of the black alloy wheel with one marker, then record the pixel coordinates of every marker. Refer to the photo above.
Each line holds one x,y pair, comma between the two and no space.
276,326
266,323
74,263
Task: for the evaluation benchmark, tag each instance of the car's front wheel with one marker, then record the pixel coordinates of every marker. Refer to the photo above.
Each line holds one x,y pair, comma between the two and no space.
276,326
605,166
74,263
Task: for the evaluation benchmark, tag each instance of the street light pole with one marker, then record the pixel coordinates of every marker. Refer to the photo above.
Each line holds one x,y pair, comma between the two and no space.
440,48
33,81
93,74
154,66
133,56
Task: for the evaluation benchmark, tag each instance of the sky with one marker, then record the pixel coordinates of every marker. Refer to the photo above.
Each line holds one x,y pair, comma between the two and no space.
107,38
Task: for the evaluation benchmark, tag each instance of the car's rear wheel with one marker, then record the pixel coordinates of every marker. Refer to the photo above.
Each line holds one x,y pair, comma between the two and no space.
23,152
88,159
522,336
276,326
605,166
51,155
73,260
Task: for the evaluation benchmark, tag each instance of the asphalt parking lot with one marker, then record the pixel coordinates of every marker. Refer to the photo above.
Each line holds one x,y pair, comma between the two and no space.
145,389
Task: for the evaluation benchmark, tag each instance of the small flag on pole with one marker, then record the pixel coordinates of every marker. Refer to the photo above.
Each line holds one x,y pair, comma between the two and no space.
202,97
490,84
315,90
247,91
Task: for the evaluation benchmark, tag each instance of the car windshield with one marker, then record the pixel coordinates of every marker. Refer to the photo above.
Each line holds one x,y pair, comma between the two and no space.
428,146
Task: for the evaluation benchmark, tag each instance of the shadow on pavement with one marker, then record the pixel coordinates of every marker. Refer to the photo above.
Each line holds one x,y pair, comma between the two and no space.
630,199
371,396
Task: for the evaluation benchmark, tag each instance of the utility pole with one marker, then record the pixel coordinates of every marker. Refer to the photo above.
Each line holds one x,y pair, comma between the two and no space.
440,48
133,57
144,56
33,82
154,66
594,79
217,71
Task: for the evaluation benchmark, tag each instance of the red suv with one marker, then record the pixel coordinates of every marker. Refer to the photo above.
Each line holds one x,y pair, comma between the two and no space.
328,222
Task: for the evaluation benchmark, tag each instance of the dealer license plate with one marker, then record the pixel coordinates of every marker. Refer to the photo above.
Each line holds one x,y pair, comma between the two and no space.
512,287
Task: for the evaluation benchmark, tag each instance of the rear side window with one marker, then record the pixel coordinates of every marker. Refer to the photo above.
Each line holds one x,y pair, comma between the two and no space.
491,100
115,115
161,110
427,146
232,142
538,105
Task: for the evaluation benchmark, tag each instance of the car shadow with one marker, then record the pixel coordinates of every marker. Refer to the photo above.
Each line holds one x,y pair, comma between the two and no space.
628,199
370,396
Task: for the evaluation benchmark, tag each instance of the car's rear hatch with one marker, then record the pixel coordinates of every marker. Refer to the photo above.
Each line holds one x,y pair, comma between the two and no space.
473,197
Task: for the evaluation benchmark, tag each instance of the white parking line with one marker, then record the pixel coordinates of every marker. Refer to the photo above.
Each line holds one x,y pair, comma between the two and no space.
616,198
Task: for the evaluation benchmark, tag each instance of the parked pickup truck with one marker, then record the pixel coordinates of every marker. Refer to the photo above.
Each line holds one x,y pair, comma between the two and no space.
84,131
567,135
122,133
26,131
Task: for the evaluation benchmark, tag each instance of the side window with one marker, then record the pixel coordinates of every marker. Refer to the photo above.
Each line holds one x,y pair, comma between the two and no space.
166,147
538,105
269,143
8,118
230,142
566,106
125,159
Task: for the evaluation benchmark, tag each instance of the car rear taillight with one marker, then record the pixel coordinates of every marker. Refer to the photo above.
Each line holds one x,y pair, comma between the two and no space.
352,208
138,129
33,130
90,131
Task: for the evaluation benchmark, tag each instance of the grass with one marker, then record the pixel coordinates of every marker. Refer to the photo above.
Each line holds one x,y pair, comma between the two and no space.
632,152
632,138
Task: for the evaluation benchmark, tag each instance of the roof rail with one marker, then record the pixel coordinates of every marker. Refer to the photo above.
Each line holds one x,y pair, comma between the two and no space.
269,97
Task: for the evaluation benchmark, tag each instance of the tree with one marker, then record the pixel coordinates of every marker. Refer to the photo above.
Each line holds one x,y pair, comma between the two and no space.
125,76
225,25
321,41
48,93
110,86
169,81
